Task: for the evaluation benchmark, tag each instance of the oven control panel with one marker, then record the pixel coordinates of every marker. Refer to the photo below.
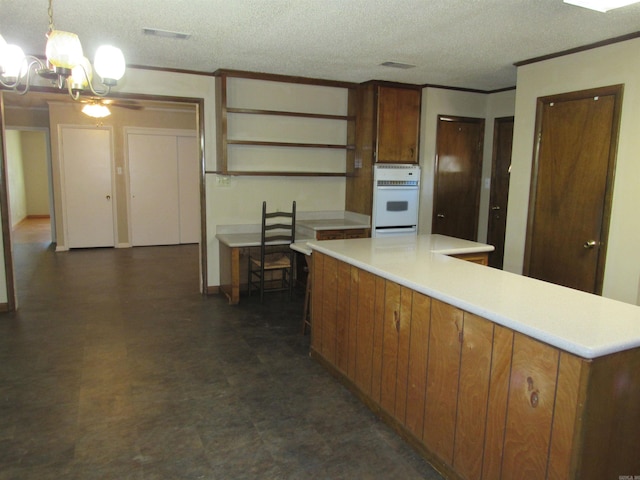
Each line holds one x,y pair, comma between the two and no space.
396,174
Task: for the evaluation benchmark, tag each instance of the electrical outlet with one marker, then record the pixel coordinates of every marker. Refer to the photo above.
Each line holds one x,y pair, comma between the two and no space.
223,181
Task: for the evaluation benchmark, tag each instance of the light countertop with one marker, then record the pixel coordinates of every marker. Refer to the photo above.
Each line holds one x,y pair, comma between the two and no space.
581,323
330,220
248,235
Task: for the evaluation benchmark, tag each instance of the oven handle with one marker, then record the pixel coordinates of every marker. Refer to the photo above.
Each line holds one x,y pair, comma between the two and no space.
409,229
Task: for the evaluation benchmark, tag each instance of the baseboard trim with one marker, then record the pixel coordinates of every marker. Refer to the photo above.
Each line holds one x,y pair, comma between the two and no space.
123,245
4,307
61,248
213,289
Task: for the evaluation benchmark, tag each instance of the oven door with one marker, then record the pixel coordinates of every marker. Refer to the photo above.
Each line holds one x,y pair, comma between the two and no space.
395,206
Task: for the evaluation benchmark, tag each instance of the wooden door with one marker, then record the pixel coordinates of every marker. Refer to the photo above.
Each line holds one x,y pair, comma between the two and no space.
88,187
571,187
153,176
499,196
458,173
398,125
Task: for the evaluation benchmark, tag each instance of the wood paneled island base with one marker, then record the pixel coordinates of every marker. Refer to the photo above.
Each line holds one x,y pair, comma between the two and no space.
476,399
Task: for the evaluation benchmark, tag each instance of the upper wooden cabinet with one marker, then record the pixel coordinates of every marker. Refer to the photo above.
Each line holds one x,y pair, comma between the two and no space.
387,131
398,124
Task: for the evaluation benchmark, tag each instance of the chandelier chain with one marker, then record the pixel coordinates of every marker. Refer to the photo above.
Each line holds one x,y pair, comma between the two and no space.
50,12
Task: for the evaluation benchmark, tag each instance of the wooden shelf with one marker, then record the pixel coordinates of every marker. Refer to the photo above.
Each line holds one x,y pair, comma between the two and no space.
288,144
246,173
232,160
250,111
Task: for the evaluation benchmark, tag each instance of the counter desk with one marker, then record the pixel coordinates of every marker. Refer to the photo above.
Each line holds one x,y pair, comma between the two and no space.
234,239
488,374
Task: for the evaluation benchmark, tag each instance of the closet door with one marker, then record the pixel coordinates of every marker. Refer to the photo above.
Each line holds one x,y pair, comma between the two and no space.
88,188
154,198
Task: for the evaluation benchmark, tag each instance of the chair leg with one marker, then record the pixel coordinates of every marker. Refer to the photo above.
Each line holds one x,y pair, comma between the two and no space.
261,284
306,314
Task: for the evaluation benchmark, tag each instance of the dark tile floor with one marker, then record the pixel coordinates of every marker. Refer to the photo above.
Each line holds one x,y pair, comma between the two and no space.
115,367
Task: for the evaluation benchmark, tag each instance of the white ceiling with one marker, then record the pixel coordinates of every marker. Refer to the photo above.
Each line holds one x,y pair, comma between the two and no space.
459,43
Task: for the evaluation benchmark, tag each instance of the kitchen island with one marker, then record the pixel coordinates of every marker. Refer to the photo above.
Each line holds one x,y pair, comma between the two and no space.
488,374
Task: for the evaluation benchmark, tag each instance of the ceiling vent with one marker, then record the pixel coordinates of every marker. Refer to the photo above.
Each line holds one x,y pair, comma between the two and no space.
403,66
156,32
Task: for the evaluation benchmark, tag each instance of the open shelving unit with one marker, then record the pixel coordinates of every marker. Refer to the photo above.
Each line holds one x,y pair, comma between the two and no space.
286,126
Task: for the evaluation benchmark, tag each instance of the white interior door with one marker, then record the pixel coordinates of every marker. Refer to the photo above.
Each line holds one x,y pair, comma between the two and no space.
88,187
189,189
153,180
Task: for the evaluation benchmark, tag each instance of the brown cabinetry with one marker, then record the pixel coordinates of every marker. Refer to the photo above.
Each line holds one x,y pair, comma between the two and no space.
481,258
387,131
398,124
340,234
478,400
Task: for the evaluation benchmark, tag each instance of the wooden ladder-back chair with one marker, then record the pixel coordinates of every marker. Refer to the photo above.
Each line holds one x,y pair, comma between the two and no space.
276,259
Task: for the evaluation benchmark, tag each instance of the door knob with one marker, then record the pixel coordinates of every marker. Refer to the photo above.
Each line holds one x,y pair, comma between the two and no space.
440,215
590,244
108,197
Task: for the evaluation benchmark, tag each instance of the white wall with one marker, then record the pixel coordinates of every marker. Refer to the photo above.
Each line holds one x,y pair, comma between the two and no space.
36,172
439,101
613,64
15,177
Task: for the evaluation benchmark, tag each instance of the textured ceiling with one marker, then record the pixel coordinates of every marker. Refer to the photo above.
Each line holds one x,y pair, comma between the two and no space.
459,43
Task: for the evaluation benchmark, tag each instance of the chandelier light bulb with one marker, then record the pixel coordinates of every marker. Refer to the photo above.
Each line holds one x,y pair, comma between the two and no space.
64,49
12,61
81,75
109,64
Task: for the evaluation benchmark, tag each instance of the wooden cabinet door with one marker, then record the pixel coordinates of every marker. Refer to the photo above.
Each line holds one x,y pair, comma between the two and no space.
442,379
473,392
418,351
497,402
343,316
398,125
364,330
390,331
534,372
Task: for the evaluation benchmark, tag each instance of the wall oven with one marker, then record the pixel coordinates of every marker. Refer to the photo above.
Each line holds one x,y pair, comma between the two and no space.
396,195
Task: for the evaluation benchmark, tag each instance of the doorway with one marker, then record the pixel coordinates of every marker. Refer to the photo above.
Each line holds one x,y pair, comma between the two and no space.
34,108
29,183
572,186
458,172
499,194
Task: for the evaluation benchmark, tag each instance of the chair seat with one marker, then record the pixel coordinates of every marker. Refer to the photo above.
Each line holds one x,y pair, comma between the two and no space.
273,260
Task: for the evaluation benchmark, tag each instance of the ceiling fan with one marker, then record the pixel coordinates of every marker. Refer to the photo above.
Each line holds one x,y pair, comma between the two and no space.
99,107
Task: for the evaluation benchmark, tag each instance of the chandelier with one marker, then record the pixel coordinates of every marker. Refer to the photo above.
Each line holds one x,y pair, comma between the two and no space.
66,66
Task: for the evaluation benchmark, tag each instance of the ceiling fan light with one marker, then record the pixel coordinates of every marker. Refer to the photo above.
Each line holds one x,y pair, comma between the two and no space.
109,64
63,49
81,75
96,110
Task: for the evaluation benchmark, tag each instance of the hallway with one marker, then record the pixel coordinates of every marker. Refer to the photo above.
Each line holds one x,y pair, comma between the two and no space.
115,367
